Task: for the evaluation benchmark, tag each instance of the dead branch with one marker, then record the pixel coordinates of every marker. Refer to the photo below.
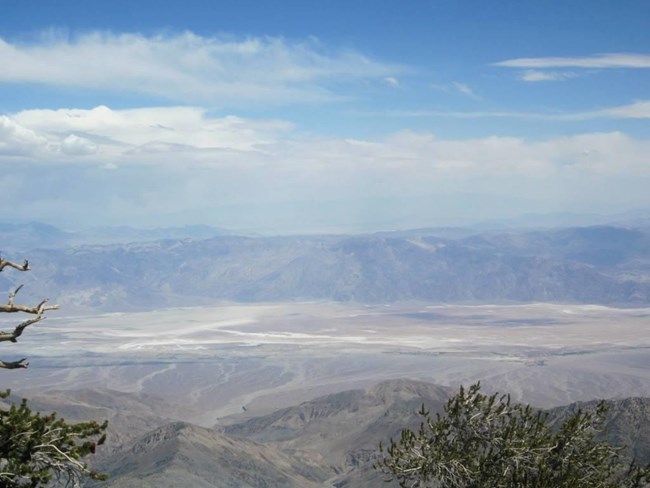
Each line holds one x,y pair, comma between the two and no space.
4,263
14,364
11,307
12,295
17,332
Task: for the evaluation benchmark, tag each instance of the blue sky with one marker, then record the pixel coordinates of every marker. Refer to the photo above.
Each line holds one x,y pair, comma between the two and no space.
315,116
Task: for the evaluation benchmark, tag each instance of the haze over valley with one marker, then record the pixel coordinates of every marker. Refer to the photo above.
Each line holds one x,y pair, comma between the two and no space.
274,230
187,330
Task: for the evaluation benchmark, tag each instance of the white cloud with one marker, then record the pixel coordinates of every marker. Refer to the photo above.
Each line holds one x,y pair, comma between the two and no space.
464,89
636,110
182,162
190,68
391,81
78,146
16,140
456,86
611,60
187,137
118,134
535,75
110,166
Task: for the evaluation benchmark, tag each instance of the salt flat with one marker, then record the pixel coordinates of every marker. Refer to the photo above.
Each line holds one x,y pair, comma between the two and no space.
217,361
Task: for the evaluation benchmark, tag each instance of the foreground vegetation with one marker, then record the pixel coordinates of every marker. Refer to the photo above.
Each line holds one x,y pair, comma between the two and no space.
36,449
488,441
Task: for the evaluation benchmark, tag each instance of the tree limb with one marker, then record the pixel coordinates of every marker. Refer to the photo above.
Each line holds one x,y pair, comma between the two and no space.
11,307
12,295
17,332
4,263
14,364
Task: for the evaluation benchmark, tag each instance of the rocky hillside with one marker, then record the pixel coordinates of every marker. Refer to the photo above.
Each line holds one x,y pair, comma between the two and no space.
180,454
342,431
326,442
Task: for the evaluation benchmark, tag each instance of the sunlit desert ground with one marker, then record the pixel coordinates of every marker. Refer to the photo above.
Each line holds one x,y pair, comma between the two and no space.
249,359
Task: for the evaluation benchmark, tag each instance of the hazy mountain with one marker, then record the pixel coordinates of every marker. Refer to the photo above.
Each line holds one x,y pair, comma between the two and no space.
633,218
19,237
124,233
607,265
596,246
36,235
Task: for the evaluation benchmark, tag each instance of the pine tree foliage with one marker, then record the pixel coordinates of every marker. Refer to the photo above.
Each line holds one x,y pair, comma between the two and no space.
38,450
35,448
488,441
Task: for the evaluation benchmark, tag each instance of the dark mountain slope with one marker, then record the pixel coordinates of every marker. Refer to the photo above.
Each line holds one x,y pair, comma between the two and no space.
184,455
342,431
129,414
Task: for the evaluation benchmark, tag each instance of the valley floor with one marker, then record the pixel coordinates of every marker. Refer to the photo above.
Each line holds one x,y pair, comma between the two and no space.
233,361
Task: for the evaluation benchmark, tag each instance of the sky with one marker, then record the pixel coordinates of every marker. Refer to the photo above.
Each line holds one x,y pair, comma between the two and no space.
321,116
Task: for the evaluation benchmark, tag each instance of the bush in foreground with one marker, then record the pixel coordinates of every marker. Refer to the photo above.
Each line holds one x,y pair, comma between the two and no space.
36,449
486,441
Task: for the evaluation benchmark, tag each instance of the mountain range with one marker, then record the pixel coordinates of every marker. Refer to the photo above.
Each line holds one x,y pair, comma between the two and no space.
330,441
16,237
599,264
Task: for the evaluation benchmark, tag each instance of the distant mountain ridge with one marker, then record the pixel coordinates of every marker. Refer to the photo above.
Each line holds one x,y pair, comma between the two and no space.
16,237
21,237
602,264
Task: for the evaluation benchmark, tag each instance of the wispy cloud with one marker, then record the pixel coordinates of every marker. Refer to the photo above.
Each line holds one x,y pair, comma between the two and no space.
464,89
456,86
536,75
453,115
636,110
190,68
611,60
391,81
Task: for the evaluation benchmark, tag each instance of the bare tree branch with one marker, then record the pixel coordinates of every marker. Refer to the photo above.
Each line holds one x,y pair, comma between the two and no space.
14,364
11,307
4,263
12,295
13,336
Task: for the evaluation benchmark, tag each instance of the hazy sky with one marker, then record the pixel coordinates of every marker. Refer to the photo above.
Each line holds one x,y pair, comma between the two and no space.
321,115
